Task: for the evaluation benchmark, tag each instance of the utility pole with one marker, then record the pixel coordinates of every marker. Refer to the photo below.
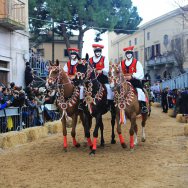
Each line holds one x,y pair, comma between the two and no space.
53,41
144,54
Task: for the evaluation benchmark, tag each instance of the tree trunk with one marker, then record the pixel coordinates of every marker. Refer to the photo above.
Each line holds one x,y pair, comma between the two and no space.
80,42
66,38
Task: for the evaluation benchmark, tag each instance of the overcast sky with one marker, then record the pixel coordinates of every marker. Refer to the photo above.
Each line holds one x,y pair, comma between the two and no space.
147,9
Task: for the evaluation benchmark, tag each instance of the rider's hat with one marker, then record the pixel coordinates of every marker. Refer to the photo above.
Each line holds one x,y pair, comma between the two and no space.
73,50
130,48
97,46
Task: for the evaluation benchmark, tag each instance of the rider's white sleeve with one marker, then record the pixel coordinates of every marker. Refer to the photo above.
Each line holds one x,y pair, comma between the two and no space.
139,74
106,67
65,68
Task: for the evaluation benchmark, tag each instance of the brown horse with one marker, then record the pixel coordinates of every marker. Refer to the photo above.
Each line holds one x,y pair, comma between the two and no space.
67,100
127,106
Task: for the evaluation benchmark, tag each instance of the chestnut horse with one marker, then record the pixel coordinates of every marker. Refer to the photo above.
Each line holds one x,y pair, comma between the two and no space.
127,105
95,103
67,100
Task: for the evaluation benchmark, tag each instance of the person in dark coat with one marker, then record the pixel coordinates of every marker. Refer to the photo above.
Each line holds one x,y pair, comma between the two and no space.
28,74
164,100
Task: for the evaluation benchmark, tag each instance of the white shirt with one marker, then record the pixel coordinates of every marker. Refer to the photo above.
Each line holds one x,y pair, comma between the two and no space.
139,74
73,62
106,64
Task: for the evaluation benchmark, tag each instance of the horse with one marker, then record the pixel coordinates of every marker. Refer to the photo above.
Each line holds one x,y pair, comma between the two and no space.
95,103
127,106
67,101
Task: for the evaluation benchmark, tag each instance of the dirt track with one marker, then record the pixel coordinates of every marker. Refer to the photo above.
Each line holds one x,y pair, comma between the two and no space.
162,161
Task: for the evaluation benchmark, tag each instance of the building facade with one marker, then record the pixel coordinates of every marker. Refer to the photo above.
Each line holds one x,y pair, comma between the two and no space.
161,45
14,40
60,51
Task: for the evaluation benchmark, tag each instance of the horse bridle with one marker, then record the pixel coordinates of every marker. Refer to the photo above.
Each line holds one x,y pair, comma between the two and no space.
56,80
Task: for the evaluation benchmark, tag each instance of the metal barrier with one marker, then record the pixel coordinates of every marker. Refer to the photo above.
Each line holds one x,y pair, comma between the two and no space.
10,119
15,118
178,82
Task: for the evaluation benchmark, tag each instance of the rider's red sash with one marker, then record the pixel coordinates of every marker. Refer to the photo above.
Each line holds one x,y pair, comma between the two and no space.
99,65
69,68
129,69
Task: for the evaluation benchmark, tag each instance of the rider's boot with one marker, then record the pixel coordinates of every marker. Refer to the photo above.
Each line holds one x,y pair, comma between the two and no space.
81,105
144,108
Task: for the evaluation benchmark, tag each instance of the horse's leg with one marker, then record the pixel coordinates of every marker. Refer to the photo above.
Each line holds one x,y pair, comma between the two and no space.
131,131
73,131
87,126
144,118
95,133
102,135
113,116
63,121
135,135
121,139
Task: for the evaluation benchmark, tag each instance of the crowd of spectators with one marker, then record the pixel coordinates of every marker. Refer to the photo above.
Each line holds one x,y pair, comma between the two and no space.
176,99
32,98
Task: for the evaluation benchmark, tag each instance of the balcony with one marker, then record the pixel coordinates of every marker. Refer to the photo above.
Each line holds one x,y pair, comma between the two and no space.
12,14
165,60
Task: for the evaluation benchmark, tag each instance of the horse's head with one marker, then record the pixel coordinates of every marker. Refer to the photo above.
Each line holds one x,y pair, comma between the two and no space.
54,72
114,74
85,71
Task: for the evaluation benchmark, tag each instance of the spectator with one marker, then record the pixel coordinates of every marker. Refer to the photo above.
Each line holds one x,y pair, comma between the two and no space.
28,74
164,100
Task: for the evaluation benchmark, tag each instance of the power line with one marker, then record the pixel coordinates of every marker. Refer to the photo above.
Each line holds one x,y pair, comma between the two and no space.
91,27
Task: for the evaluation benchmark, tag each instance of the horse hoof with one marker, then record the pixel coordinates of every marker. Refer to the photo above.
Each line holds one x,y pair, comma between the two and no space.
77,145
124,145
65,149
91,147
92,153
113,141
143,139
102,145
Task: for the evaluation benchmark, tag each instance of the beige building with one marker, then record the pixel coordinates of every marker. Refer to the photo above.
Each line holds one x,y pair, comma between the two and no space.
60,50
14,40
164,41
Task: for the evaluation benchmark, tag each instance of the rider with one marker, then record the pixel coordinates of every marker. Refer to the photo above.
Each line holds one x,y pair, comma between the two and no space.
134,73
101,64
70,68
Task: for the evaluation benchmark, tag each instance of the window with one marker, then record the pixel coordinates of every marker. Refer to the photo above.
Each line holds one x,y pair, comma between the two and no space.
152,51
41,52
135,41
178,44
136,55
130,43
165,40
66,53
172,45
158,50
148,35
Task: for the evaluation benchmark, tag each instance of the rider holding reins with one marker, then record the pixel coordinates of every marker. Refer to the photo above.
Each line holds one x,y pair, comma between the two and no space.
134,73
101,65
70,68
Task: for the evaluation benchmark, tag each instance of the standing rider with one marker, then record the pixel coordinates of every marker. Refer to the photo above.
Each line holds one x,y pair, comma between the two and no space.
134,73
101,65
